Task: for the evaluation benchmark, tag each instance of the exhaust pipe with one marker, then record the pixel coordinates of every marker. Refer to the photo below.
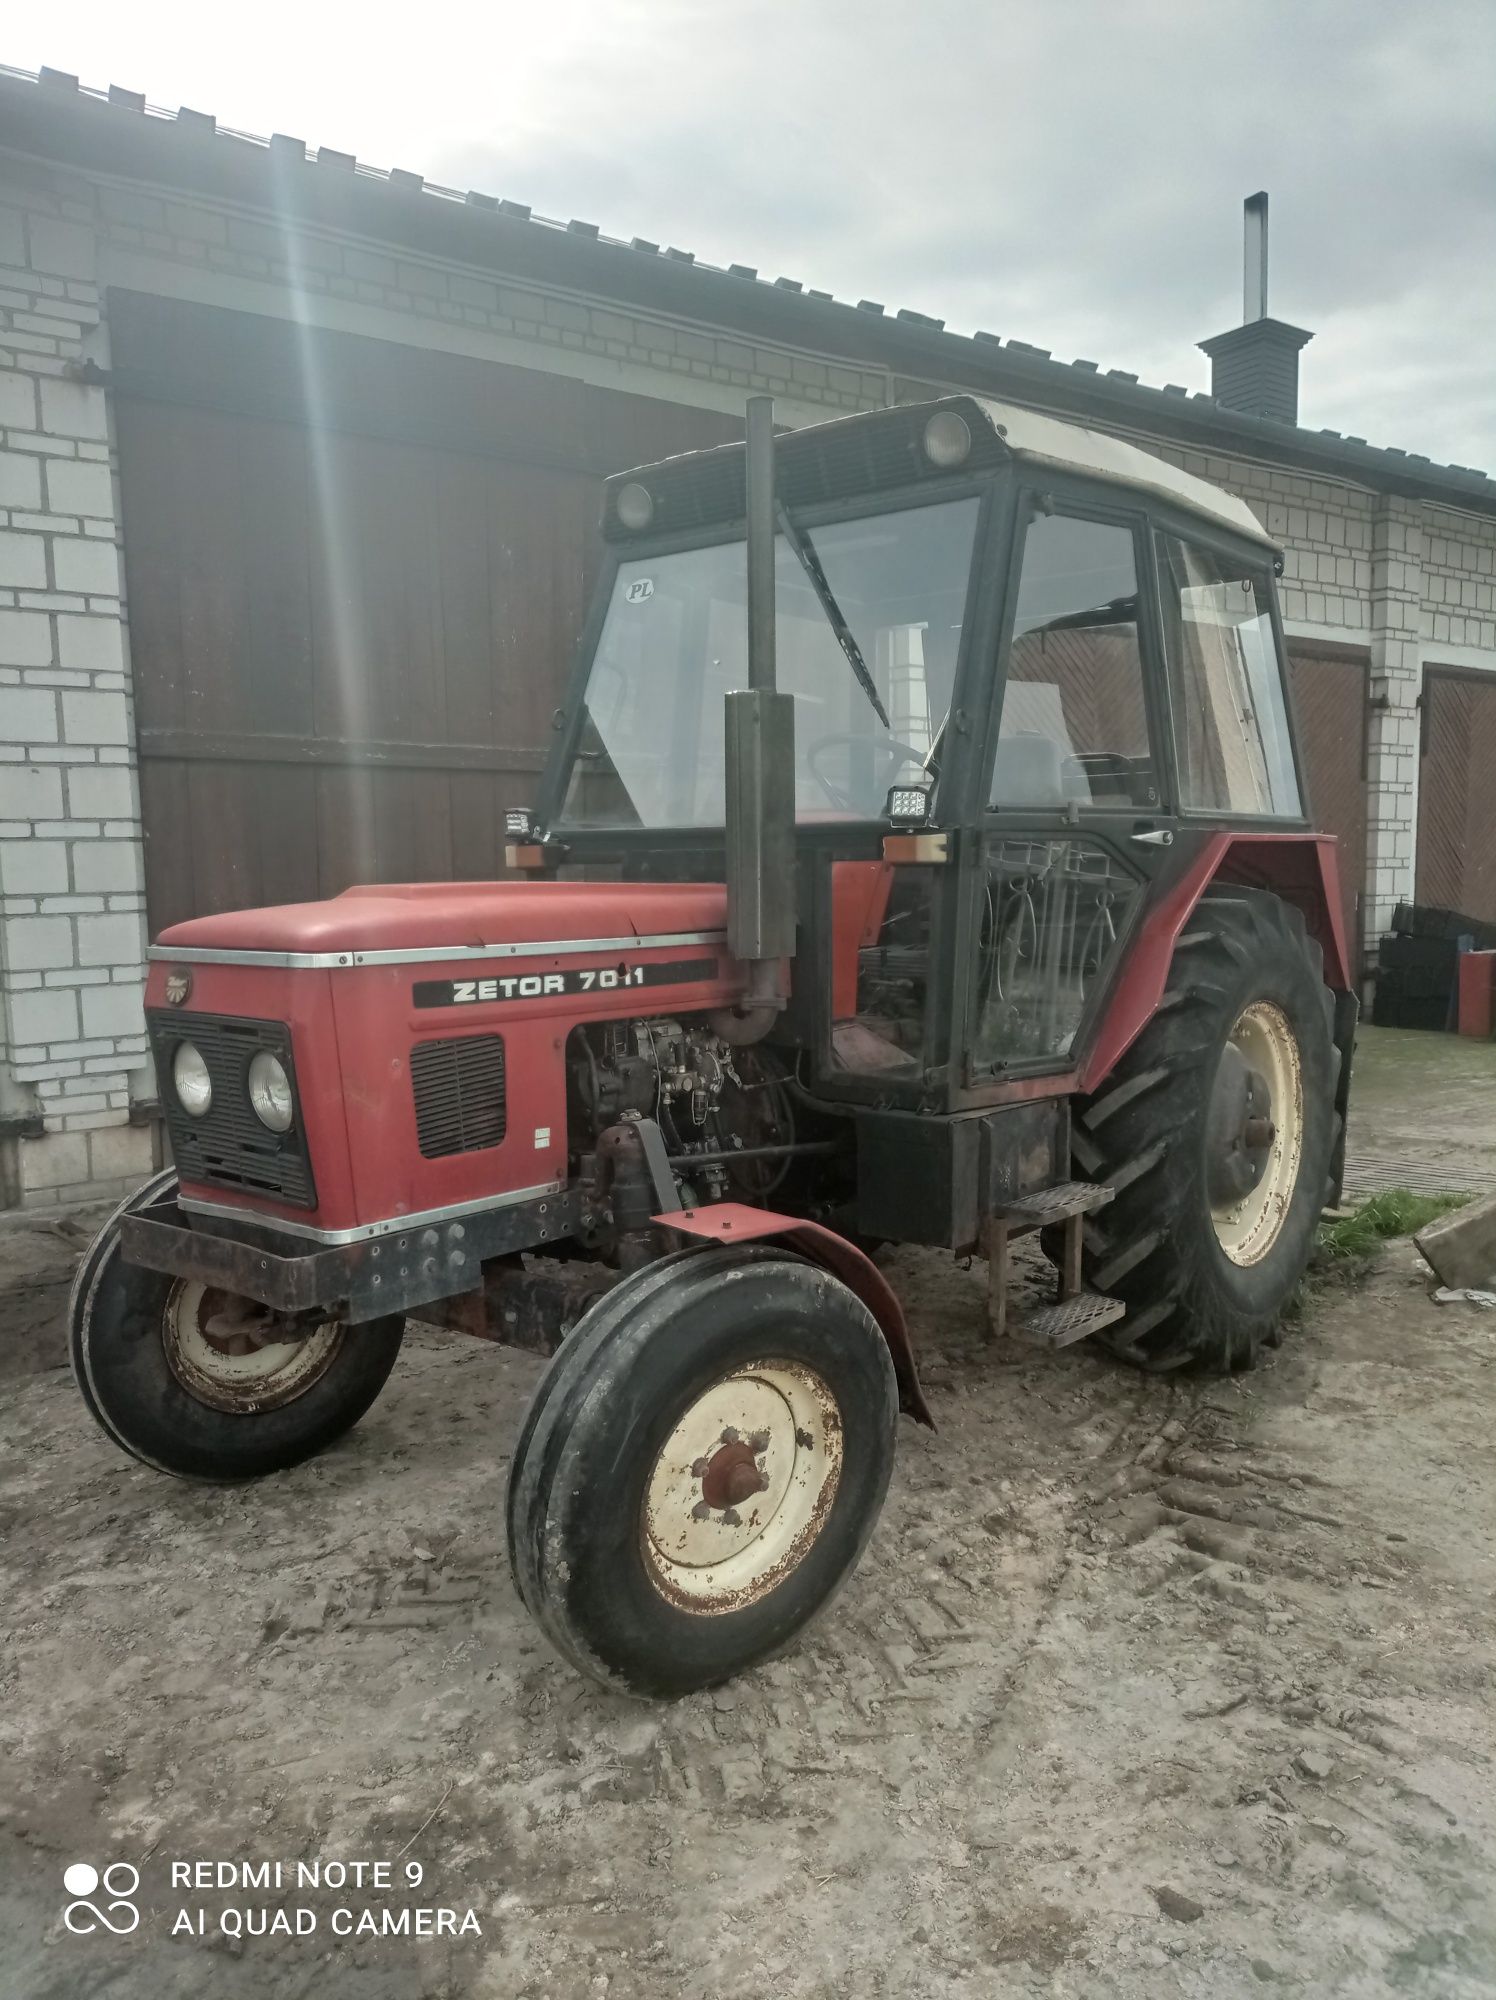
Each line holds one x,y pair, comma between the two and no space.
759,723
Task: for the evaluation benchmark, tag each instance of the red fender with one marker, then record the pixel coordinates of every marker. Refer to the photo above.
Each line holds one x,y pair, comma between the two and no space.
1302,868
735,1222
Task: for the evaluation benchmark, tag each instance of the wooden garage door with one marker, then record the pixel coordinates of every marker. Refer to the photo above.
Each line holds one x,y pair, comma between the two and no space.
1329,696
1457,792
356,574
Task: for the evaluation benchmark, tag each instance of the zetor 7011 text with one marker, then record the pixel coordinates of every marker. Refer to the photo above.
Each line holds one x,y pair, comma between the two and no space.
923,858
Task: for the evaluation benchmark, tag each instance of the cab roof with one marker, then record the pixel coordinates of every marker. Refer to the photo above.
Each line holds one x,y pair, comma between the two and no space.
877,451
1039,440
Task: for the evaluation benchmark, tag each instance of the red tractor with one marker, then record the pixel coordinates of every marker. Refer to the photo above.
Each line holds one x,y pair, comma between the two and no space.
923,857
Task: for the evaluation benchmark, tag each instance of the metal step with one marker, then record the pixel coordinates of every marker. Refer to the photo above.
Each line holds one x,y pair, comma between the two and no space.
1071,1320
1054,1204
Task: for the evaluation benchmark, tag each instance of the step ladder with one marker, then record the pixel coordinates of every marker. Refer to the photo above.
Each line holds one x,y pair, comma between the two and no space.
1077,1311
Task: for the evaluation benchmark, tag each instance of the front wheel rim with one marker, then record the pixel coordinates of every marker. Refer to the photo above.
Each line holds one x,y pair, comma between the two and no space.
242,1372
1247,1229
742,1488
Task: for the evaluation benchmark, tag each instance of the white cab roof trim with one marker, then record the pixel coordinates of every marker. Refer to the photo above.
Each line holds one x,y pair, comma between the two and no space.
1040,440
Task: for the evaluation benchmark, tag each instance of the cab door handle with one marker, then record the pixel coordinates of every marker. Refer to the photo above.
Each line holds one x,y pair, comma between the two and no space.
1159,836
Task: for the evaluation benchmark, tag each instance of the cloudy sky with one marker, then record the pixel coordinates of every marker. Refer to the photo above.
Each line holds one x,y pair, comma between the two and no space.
1069,172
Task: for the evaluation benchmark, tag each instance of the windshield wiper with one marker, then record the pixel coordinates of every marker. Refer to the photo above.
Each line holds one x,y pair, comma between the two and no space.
810,562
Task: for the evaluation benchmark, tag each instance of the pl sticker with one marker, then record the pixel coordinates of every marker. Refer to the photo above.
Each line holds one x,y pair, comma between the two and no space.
639,591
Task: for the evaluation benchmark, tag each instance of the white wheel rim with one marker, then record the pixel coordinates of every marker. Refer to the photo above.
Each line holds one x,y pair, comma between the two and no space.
267,1374
775,1421
1246,1230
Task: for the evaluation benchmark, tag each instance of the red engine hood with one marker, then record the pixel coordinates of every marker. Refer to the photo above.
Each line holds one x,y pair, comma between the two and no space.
409,916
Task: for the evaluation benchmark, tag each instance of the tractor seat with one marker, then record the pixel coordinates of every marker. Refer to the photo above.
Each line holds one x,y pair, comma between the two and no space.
1032,770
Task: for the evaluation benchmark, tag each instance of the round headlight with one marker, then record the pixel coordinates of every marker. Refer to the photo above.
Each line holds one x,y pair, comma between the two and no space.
947,440
634,506
194,1086
270,1092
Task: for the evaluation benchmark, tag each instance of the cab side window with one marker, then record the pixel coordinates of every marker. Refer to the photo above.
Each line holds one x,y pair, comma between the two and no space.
1074,718
1225,685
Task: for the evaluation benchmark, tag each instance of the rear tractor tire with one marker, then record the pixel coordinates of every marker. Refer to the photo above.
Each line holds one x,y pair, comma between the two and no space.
1218,1131
701,1468
200,1385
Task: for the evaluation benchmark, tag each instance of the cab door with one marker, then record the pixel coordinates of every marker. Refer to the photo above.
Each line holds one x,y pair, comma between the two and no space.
1077,814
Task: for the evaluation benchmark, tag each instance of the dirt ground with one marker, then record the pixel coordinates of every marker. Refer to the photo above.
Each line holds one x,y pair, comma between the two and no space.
38,1255
1145,1688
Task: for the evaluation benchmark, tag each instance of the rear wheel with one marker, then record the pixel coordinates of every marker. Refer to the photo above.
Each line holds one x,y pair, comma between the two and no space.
701,1468
207,1385
1217,1130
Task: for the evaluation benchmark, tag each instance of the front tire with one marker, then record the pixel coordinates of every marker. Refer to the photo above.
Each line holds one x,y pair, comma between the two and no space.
1217,1130
701,1468
164,1380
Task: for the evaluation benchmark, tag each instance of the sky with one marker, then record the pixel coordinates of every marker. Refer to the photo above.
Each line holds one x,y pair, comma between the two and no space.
1065,172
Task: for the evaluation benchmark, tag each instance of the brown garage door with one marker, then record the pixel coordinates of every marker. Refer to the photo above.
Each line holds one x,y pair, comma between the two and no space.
356,573
1329,694
1457,792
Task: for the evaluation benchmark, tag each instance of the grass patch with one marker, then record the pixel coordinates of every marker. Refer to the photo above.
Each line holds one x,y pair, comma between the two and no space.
1395,1212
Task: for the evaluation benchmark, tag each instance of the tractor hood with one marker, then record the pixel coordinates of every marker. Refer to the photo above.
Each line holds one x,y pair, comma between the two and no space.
467,916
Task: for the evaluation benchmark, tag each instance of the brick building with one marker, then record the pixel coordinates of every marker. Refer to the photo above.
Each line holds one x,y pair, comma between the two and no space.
298,478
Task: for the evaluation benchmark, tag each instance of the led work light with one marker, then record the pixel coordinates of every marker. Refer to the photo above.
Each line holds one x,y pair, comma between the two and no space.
908,805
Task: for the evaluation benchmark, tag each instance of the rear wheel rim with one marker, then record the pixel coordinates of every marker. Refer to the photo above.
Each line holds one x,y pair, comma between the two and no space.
741,1489
243,1374
1247,1229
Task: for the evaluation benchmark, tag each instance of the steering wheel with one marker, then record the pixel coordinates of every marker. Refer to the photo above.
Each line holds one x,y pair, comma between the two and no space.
896,752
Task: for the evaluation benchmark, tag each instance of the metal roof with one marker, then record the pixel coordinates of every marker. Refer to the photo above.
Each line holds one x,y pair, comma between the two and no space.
51,116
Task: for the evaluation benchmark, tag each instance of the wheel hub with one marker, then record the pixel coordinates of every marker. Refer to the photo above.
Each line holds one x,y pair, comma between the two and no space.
1254,1132
742,1487
732,1474
1239,1128
233,1355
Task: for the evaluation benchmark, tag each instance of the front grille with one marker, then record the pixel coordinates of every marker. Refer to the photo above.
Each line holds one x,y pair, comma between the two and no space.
459,1093
841,460
229,1147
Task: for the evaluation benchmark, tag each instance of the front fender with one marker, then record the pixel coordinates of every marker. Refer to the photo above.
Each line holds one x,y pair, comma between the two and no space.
735,1222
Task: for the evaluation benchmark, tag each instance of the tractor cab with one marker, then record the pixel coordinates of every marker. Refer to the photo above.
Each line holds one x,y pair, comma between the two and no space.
1031,671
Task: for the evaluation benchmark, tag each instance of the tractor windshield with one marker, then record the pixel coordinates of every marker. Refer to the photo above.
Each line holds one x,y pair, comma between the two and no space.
869,705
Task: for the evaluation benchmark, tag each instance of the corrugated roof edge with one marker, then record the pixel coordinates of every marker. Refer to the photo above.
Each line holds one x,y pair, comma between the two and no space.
52,116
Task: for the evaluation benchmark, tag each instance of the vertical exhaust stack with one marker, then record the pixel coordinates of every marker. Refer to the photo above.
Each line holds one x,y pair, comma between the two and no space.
760,770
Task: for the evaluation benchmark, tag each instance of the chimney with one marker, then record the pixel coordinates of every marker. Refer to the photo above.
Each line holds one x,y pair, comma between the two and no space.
1255,367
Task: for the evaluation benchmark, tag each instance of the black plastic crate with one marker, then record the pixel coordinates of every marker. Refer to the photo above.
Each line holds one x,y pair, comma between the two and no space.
1424,953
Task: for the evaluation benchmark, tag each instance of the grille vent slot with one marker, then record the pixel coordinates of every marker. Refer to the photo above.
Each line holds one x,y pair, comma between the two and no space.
459,1094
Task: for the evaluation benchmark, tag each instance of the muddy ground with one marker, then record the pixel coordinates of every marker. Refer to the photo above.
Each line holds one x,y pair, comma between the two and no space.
1146,1688
38,1255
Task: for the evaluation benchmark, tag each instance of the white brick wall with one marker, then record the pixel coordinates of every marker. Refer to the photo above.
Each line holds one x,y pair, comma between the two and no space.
1459,585
1397,675
189,250
71,921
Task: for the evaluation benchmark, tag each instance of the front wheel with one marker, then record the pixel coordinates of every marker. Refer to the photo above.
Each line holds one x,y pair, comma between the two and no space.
206,1385
701,1468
